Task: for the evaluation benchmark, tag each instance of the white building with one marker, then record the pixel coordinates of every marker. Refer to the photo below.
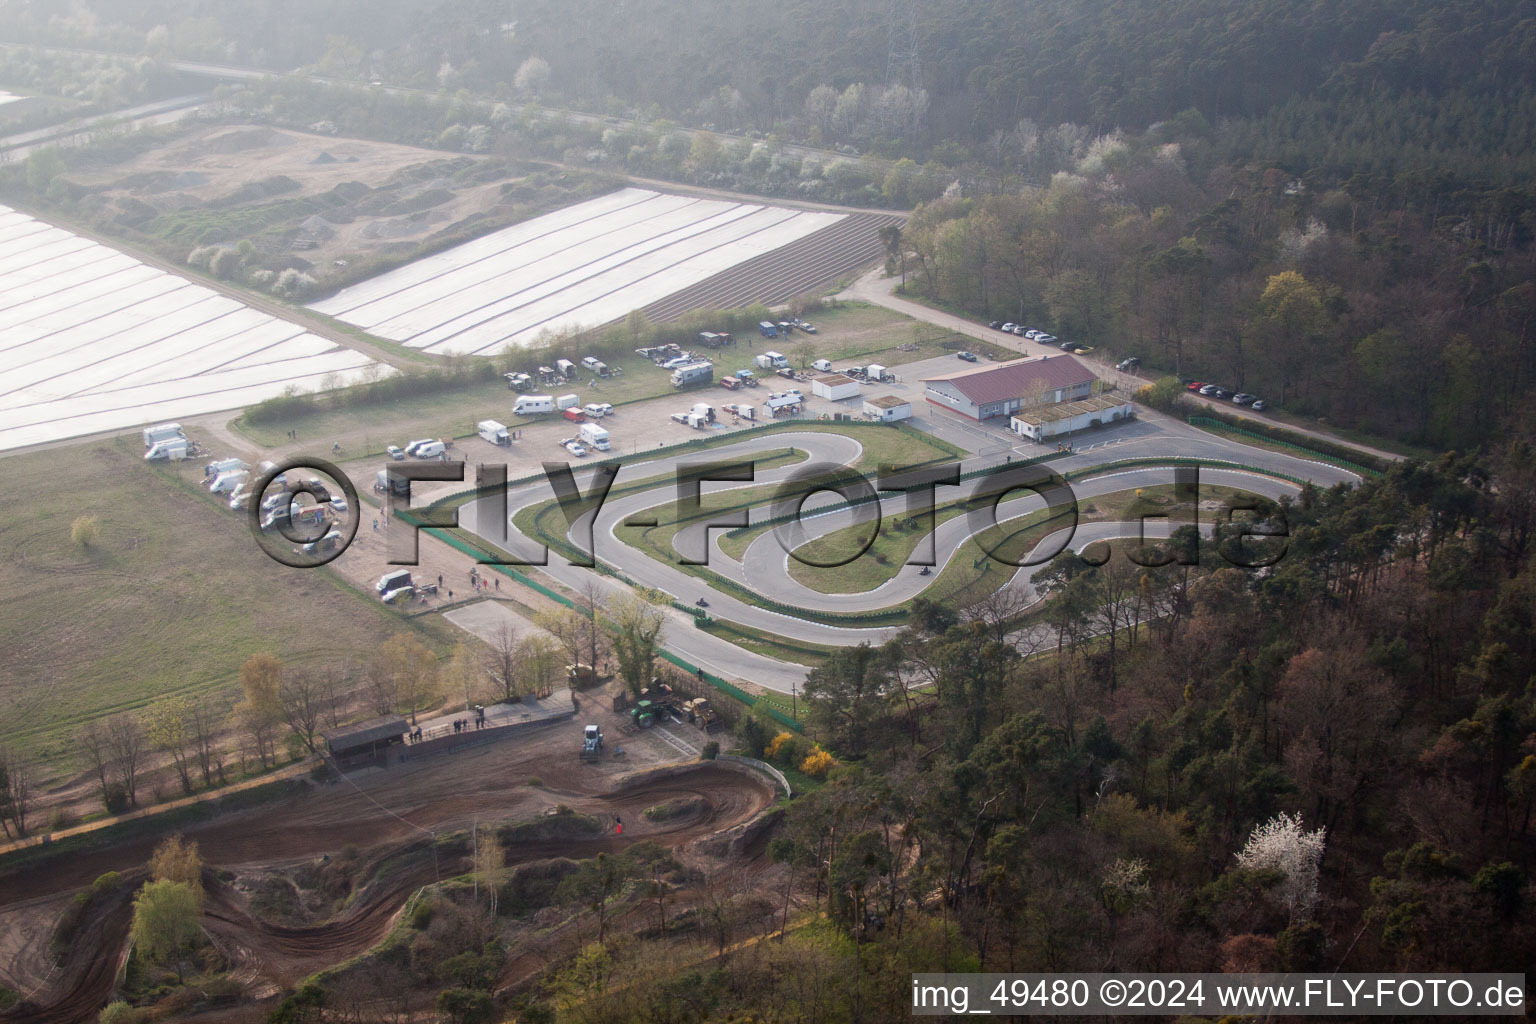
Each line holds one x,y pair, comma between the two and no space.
1044,422
888,408
834,387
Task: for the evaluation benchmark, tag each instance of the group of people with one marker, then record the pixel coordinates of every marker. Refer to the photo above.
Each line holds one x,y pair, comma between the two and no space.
414,736
463,724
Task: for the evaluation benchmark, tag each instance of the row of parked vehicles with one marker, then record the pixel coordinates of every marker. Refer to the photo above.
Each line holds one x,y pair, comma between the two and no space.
1041,337
233,478
1220,393
564,370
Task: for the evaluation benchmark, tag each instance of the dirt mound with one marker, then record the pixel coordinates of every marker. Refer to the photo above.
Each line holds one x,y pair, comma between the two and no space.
239,140
402,227
323,158
424,200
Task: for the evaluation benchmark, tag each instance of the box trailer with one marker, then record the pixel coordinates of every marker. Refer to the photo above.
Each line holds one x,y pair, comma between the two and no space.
876,373
771,360
532,405
494,432
594,436
701,372
567,401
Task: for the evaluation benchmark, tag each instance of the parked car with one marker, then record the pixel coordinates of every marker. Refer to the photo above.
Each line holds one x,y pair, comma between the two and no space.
1221,393
1033,333
996,325
339,505
1258,405
394,453
1193,385
1047,339
806,327
576,448
1067,346
969,357
1130,364
1009,326
1242,398
1209,390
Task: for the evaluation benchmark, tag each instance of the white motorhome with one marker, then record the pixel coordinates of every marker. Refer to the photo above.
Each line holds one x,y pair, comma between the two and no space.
530,405
172,449
594,436
213,469
162,432
494,432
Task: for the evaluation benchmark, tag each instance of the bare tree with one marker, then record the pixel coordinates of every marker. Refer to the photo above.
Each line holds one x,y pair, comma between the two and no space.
203,724
303,704
15,789
94,755
501,662
538,659
125,746
261,680
999,611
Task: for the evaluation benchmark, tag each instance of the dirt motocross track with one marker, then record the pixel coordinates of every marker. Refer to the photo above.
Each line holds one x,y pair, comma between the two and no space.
440,795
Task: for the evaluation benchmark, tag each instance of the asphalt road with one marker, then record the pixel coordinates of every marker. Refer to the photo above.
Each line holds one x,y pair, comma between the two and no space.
763,565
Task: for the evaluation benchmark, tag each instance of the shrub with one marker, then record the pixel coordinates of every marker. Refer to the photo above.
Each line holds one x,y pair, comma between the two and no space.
778,743
119,1013
85,531
818,764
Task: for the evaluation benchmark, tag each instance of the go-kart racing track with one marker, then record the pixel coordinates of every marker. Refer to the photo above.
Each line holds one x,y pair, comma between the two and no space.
269,957
764,567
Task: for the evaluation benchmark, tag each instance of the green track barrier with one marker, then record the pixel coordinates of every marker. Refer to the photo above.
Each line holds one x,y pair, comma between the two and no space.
1210,423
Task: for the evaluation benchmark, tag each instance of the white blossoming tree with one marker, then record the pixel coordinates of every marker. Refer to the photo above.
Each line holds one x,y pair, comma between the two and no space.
1281,844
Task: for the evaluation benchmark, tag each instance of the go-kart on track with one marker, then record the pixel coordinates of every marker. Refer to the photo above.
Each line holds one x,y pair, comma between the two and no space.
582,266
764,566
272,957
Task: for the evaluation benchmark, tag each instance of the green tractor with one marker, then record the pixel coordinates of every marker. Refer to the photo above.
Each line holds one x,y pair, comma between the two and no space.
645,714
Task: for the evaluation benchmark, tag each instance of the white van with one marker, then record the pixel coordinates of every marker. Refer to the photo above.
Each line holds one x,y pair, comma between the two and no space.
228,483
595,410
494,432
565,368
213,469
392,581
431,450
172,449
530,405
591,363
824,365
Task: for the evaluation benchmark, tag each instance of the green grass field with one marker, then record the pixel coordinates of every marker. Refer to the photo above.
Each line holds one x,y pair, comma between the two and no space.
170,600
850,332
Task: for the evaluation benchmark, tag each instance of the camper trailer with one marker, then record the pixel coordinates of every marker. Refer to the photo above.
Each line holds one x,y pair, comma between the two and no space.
594,436
701,372
162,432
531,405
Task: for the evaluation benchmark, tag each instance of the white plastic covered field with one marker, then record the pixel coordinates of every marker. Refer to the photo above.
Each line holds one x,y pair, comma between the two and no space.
579,267
91,340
